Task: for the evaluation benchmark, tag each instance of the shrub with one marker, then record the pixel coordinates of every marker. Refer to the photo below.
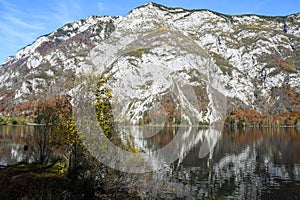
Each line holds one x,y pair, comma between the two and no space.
289,122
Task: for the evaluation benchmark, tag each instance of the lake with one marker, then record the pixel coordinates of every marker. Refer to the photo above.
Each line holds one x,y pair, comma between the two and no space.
247,163
12,142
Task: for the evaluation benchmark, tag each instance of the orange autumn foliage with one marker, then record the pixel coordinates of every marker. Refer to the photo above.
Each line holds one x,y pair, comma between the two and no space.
251,117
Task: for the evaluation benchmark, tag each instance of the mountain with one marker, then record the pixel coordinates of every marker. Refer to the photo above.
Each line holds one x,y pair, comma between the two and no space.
192,66
50,62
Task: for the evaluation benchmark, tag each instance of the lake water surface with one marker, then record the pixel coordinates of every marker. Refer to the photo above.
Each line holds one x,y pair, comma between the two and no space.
232,163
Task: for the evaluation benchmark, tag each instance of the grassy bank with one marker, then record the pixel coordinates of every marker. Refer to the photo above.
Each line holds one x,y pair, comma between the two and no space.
28,181
14,120
32,181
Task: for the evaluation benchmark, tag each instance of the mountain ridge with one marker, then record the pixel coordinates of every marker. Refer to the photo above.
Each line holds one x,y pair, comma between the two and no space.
165,7
215,12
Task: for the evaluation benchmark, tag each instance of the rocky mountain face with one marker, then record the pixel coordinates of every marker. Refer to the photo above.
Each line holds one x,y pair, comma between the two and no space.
164,64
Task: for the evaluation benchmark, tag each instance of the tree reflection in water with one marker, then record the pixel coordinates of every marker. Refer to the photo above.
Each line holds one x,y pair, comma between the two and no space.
21,144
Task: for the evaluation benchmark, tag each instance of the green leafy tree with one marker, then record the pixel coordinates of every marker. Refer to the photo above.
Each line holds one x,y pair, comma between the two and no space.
103,110
103,106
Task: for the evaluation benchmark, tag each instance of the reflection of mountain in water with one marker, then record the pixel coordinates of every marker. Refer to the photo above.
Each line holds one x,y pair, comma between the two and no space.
241,164
244,164
12,141
168,143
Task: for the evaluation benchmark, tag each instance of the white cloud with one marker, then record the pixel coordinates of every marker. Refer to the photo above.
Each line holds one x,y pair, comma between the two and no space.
16,25
18,28
17,21
101,6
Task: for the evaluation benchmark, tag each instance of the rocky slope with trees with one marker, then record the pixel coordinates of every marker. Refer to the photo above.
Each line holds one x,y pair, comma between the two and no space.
201,57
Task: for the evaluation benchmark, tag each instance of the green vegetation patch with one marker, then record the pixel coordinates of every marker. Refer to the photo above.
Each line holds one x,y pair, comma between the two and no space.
138,52
252,26
13,121
224,64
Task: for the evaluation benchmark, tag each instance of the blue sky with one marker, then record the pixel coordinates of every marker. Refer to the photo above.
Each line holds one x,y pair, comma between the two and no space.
22,21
